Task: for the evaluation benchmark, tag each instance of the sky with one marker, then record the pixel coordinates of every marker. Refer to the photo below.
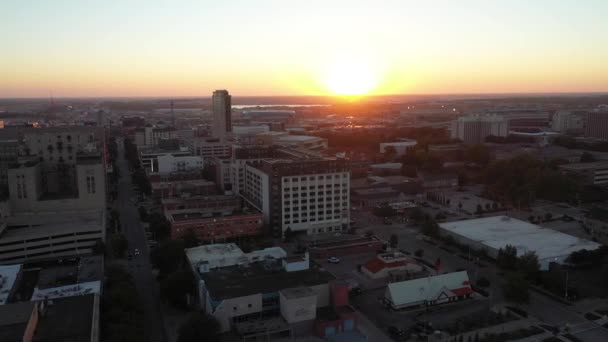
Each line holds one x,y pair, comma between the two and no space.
267,47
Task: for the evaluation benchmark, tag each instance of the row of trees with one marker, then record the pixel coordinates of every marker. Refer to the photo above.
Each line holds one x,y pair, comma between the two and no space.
522,270
522,179
121,309
138,175
175,277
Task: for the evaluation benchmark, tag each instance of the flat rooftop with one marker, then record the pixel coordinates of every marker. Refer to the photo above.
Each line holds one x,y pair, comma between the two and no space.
386,166
585,166
298,292
8,277
498,231
259,277
297,138
206,214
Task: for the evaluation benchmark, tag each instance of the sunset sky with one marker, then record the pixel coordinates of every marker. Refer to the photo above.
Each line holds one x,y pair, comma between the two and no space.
190,48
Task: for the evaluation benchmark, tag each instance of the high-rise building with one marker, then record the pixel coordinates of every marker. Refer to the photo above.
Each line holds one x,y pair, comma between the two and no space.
475,129
568,121
222,113
597,124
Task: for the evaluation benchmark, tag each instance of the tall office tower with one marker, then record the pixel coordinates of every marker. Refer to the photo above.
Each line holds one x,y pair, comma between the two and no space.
222,113
475,129
597,124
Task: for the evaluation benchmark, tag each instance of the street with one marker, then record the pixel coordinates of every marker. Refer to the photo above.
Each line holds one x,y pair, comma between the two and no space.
139,266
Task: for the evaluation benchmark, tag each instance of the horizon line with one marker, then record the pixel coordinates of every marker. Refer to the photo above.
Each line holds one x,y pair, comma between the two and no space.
344,97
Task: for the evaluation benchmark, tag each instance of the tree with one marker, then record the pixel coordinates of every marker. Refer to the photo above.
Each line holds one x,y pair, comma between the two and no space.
494,206
288,234
515,289
459,205
198,327
548,216
478,154
528,265
119,245
507,257
587,157
159,226
384,211
390,152
177,286
99,248
488,206
394,241
190,239
430,228
440,216
143,214
416,215
479,209
168,255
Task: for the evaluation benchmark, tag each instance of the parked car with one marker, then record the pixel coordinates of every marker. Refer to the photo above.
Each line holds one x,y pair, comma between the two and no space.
333,260
130,256
136,251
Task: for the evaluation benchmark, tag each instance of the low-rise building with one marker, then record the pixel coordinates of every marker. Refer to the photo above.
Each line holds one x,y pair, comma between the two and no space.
168,163
9,277
595,173
61,319
209,226
490,234
386,169
384,264
251,292
429,291
182,188
343,246
400,147
438,180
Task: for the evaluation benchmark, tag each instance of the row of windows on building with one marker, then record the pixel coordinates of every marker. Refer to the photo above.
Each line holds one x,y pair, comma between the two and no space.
320,206
320,193
21,187
91,184
312,178
313,200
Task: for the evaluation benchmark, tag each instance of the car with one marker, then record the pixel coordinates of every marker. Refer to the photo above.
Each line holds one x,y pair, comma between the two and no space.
136,251
333,260
130,256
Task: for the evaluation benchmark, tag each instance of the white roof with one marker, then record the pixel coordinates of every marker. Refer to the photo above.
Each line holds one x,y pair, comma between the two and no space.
498,231
386,166
8,276
229,254
288,138
66,291
399,143
427,288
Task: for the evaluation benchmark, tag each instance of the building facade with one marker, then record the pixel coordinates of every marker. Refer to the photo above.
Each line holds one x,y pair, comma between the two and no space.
311,196
475,129
597,125
222,113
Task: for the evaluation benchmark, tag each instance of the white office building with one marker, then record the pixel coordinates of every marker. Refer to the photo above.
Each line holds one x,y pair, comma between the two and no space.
475,129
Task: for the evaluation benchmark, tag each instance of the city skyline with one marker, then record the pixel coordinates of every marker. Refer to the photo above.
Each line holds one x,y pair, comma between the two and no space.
269,48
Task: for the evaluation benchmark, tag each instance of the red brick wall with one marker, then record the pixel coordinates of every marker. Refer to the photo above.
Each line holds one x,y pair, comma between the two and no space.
220,227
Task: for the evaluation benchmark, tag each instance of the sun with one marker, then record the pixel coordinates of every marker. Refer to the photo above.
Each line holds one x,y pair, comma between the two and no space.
350,77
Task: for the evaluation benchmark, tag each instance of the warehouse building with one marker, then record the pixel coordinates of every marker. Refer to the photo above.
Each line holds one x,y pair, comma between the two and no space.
492,233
